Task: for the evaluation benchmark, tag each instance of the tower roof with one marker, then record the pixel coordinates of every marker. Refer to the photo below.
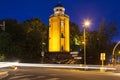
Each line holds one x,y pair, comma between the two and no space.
59,5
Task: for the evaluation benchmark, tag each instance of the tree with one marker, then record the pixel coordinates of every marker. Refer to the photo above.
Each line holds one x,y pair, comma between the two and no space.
2,57
36,35
100,41
4,43
23,41
16,36
74,37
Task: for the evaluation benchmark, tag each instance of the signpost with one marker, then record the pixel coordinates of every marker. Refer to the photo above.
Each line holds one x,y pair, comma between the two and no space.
102,58
42,54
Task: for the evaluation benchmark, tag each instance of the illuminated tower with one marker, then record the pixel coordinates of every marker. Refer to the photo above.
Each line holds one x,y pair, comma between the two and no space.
59,30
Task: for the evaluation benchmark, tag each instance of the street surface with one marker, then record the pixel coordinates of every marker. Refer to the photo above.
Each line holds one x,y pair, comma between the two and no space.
30,73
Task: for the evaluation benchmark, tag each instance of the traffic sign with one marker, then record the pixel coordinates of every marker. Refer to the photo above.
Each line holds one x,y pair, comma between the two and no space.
102,56
73,52
74,55
42,53
77,57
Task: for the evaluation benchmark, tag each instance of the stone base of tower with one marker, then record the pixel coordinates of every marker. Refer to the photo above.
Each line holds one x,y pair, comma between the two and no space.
60,58
57,57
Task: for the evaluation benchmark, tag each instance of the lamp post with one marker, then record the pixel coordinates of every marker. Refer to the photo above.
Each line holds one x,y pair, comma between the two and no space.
43,52
85,25
113,53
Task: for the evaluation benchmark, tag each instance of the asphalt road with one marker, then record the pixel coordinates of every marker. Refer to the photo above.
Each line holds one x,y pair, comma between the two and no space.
58,74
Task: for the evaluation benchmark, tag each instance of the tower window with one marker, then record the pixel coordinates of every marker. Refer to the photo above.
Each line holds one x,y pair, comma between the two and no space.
62,35
62,49
62,23
60,9
57,10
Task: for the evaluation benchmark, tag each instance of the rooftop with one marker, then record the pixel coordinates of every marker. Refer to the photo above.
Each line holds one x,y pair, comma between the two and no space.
59,5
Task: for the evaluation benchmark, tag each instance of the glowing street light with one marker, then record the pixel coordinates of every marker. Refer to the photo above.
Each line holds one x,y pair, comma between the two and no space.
85,25
119,52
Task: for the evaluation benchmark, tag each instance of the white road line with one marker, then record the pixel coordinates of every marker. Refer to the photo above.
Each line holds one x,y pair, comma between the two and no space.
18,74
38,77
24,79
22,76
52,74
54,79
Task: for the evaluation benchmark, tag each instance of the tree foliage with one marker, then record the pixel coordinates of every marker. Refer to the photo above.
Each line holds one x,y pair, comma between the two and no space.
74,37
26,40
36,35
100,41
23,40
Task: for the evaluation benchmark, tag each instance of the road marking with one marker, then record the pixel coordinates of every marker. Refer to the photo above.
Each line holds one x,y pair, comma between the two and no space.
54,79
24,79
38,77
53,74
22,76
19,74
3,74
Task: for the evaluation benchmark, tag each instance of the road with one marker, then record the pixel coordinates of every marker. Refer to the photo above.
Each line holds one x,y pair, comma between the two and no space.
25,73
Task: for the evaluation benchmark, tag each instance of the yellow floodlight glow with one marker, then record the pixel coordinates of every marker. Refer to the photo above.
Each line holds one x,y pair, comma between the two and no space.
83,42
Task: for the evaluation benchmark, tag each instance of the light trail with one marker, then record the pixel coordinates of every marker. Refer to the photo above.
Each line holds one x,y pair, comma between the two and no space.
7,64
77,66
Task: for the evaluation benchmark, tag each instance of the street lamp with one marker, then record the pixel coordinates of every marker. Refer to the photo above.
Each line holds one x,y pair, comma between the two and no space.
43,52
118,52
113,53
119,57
85,25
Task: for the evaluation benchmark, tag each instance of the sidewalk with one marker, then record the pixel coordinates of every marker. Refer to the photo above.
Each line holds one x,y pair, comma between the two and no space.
3,74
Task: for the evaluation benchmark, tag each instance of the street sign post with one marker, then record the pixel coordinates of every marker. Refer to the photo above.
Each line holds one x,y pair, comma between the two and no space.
42,54
102,58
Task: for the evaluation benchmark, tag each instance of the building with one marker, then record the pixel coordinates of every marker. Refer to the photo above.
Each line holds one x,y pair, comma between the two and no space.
59,30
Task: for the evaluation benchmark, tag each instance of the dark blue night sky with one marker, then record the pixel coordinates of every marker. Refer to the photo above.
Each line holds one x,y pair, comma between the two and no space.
78,10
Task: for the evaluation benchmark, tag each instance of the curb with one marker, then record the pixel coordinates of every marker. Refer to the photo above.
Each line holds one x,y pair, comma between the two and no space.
3,74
